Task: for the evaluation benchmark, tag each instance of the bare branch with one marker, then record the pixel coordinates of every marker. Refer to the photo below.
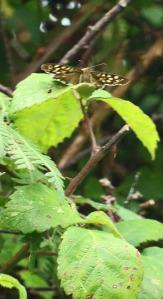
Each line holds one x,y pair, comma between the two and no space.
22,253
6,90
95,29
94,160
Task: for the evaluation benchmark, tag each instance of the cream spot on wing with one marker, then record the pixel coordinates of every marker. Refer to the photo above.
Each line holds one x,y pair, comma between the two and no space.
110,80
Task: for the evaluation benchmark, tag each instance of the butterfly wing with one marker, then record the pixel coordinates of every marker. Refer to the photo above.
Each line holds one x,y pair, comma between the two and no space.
106,79
63,73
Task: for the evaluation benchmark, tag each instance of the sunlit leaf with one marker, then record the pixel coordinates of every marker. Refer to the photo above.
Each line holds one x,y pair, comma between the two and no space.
95,264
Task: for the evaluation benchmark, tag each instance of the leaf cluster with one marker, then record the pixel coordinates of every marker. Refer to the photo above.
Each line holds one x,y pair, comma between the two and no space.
89,256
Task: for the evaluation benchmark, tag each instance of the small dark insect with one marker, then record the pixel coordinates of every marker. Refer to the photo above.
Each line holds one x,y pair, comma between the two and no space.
49,90
74,75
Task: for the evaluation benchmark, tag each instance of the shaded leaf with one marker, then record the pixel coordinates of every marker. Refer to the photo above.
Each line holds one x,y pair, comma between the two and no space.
37,208
33,280
140,230
152,284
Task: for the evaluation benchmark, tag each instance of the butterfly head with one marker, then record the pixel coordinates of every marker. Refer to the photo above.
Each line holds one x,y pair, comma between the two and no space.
47,67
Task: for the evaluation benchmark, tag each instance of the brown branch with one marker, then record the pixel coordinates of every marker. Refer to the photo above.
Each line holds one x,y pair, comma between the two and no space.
95,29
74,183
87,53
22,253
45,253
154,52
6,90
83,153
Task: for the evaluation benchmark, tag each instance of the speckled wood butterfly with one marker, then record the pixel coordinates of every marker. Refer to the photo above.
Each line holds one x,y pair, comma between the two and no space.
74,75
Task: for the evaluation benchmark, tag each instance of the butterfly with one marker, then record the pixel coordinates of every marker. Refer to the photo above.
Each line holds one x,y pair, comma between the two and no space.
74,75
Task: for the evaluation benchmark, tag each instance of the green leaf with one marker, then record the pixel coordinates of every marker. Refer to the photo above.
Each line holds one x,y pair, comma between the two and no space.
9,246
141,230
154,15
152,284
27,156
126,214
103,219
33,280
35,90
140,123
37,208
95,264
87,201
10,282
54,116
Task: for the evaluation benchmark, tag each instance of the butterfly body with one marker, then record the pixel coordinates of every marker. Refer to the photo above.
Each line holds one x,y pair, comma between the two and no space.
74,75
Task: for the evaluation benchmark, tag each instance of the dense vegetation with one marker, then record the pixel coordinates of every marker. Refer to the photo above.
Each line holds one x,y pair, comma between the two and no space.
81,164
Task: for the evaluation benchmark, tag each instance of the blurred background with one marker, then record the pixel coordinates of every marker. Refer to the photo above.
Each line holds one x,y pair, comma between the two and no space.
33,32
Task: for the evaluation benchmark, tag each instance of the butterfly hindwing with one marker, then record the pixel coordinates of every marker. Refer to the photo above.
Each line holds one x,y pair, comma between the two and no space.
107,79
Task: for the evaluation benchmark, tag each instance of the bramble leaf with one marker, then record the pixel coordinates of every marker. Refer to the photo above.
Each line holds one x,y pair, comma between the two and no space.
37,208
95,264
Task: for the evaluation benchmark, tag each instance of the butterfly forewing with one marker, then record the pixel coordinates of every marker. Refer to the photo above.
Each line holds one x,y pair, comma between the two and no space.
63,73
74,75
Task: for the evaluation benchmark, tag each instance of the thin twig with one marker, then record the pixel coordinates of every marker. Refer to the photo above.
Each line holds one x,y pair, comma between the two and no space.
87,53
95,29
95,147
83,153
40,289
46,253
5,231
6,90
94,159
22,253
